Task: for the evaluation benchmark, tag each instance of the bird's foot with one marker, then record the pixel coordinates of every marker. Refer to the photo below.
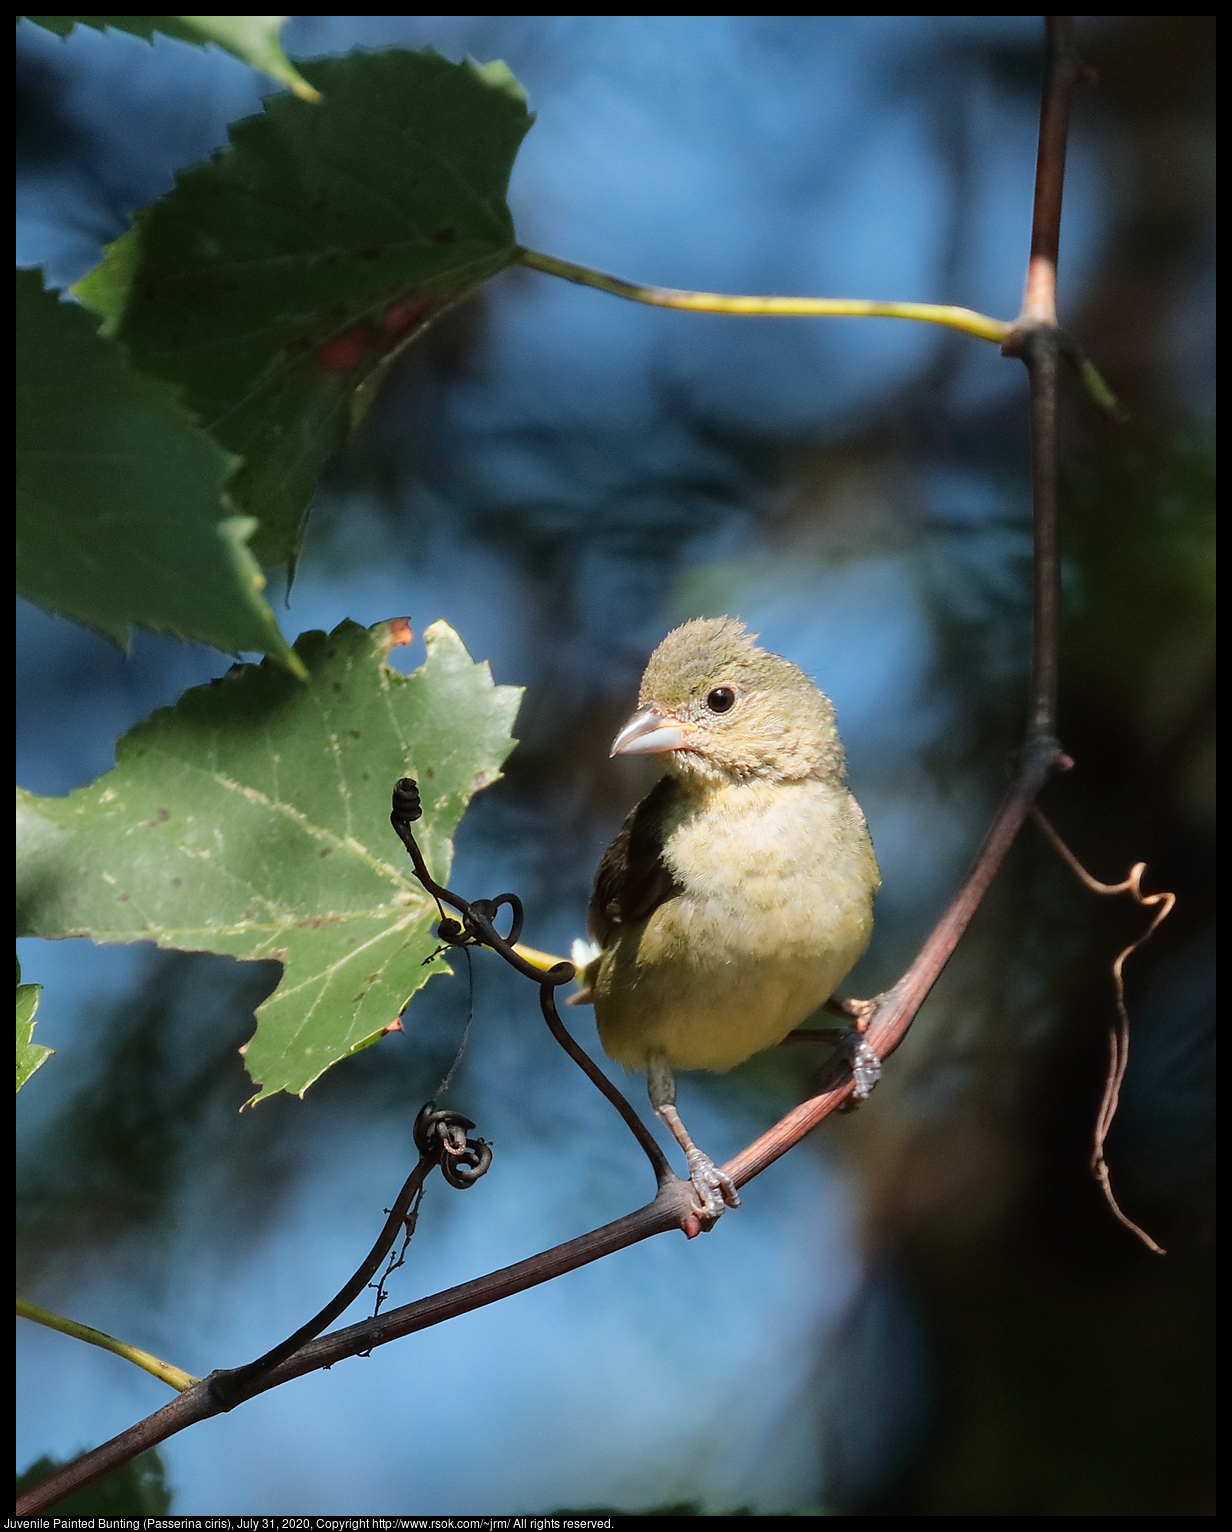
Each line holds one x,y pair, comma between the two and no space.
859,1011
865,1065
713,1191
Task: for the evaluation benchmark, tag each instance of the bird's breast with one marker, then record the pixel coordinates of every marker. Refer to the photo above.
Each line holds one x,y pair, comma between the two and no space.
774,858
775,907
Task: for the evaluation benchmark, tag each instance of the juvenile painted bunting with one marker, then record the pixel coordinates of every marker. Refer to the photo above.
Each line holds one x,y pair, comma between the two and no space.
739,891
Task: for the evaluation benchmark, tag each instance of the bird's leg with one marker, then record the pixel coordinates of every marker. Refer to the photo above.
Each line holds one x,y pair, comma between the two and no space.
711,1187
865,1065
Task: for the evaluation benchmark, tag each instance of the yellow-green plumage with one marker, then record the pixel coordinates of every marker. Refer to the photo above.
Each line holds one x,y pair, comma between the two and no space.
739,893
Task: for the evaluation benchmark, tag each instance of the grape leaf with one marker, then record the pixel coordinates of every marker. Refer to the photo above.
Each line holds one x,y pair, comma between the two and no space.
252,818
254,39
276,283
29,1054
122,516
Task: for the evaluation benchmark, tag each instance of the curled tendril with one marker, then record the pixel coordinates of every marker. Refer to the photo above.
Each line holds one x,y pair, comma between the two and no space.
441,1136
406,799
476,927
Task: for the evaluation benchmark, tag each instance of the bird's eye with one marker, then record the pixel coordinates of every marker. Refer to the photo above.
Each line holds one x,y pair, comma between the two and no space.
721,700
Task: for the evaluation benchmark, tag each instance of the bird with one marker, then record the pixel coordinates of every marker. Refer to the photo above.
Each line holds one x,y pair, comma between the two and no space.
739,892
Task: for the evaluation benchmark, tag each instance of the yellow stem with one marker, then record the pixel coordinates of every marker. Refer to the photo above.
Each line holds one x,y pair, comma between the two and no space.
162,1370
535,958
967,320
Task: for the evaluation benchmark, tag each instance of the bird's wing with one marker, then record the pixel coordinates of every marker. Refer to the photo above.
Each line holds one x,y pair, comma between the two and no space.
633,879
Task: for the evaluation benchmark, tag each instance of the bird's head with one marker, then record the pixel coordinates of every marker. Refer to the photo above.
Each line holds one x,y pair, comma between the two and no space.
719,709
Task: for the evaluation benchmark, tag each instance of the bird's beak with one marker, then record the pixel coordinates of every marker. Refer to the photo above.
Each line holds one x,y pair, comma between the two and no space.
652,732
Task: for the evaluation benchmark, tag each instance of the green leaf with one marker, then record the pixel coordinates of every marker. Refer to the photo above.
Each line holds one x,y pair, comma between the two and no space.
122,515
253,39
137,1488
276,283
252,818
29,1054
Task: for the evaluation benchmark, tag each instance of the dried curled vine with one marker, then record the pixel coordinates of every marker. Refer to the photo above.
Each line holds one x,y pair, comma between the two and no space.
1118,1032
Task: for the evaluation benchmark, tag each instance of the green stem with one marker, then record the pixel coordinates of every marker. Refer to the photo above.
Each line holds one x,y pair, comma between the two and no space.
1100,392
967,320
161,1370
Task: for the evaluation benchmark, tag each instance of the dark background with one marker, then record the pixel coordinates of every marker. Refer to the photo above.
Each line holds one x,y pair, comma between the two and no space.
927,1309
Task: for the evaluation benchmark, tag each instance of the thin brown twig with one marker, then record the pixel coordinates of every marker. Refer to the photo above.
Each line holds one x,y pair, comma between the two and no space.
1062,72
1040,351
1118,1033
1038,340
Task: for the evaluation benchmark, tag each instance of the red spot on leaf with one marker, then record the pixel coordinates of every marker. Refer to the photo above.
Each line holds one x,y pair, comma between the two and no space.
394,1026
344,353
399,317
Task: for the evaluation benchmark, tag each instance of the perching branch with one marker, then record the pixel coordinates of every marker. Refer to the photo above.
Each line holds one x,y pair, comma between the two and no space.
441,1140
670,1208
895,1010
1036,338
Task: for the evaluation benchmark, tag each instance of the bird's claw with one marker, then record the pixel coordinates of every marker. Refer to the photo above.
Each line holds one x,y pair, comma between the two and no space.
865,1063
865,1067
864,1060
713,1191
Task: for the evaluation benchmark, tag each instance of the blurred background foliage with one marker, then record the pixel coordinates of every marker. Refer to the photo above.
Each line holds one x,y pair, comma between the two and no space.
928,1310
